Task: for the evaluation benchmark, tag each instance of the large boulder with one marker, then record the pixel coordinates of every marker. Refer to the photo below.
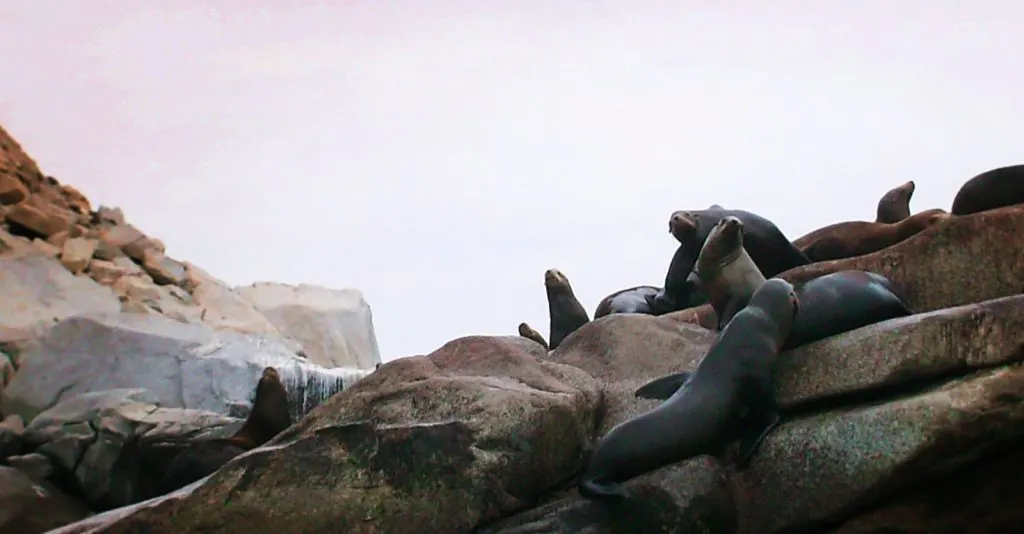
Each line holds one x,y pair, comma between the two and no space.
37,291
334,326
31,506
437,443
183,365
113,446
958,261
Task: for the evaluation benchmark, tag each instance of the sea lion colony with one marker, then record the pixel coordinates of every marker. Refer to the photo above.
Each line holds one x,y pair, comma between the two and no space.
730,258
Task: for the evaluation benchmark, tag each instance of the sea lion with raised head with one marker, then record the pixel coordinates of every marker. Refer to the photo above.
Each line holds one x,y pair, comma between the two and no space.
631,300
857,238
269,416
726,271
567,314
989,190
829,305
771,251
730,395
528,332
894,206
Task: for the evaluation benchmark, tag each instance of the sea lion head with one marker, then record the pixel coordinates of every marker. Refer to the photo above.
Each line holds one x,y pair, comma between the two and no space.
723,245
555,280
525,330
682,225
778,300
895,203
269,373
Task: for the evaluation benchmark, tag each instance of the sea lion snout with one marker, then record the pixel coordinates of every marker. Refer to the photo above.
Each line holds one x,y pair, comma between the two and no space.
553,277
680,223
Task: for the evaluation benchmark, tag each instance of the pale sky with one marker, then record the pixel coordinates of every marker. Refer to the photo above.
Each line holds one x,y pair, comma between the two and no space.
440,155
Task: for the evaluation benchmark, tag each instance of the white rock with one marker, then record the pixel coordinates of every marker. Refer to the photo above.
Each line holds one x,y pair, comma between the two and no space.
182,365
37,291
334,326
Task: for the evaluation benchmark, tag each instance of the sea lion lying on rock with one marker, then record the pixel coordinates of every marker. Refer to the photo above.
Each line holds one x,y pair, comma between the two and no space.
856,238
631,300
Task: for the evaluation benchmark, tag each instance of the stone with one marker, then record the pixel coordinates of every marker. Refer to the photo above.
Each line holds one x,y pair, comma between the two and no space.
335,327
164,270
33,506
964,259
437,443
105,272
112,442
13,245
12,430
183,365
35,465
109,252
224,309
128,239
625,351
110,216
36,222
12,191
45,248
36,292
76,253
77,202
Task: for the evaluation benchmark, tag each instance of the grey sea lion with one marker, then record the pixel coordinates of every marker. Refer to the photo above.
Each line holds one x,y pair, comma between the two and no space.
856,238
894,206
567,314
829,305
528,332
631,300
730,395
726,271
989,190
771,251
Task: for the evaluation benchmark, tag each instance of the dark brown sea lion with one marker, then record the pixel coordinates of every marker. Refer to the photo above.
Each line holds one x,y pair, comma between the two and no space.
990,190
766,244
730,395
567,314
528,332
726,271
631,300
856,238
894,206
829,305
269,416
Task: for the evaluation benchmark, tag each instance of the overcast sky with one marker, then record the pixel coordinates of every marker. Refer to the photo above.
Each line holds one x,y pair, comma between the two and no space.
440,155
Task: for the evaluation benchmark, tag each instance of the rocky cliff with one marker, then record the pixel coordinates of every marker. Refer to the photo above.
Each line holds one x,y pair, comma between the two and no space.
108,342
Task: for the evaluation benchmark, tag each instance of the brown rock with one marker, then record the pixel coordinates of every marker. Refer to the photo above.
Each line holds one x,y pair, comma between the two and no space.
76,200
45,248
164,270
964,259
105,272
77,253
438,443
107,251
36,222
34,506
129,239
12,191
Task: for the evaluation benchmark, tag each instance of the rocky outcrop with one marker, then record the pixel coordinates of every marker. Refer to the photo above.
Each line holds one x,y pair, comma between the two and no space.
182,365
32,506
335,327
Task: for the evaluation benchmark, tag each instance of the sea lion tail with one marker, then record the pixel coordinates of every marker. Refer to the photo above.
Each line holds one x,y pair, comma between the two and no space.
597,491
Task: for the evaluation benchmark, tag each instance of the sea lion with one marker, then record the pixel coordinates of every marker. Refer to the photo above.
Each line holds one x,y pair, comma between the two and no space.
632,300
989,190
856,238
725,269
269,416
729,395
567,314
894,206
771,251
829,305
528,332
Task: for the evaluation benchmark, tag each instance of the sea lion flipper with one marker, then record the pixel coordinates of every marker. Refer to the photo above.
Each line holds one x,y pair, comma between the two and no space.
733,307
662,388
611,492
759,422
